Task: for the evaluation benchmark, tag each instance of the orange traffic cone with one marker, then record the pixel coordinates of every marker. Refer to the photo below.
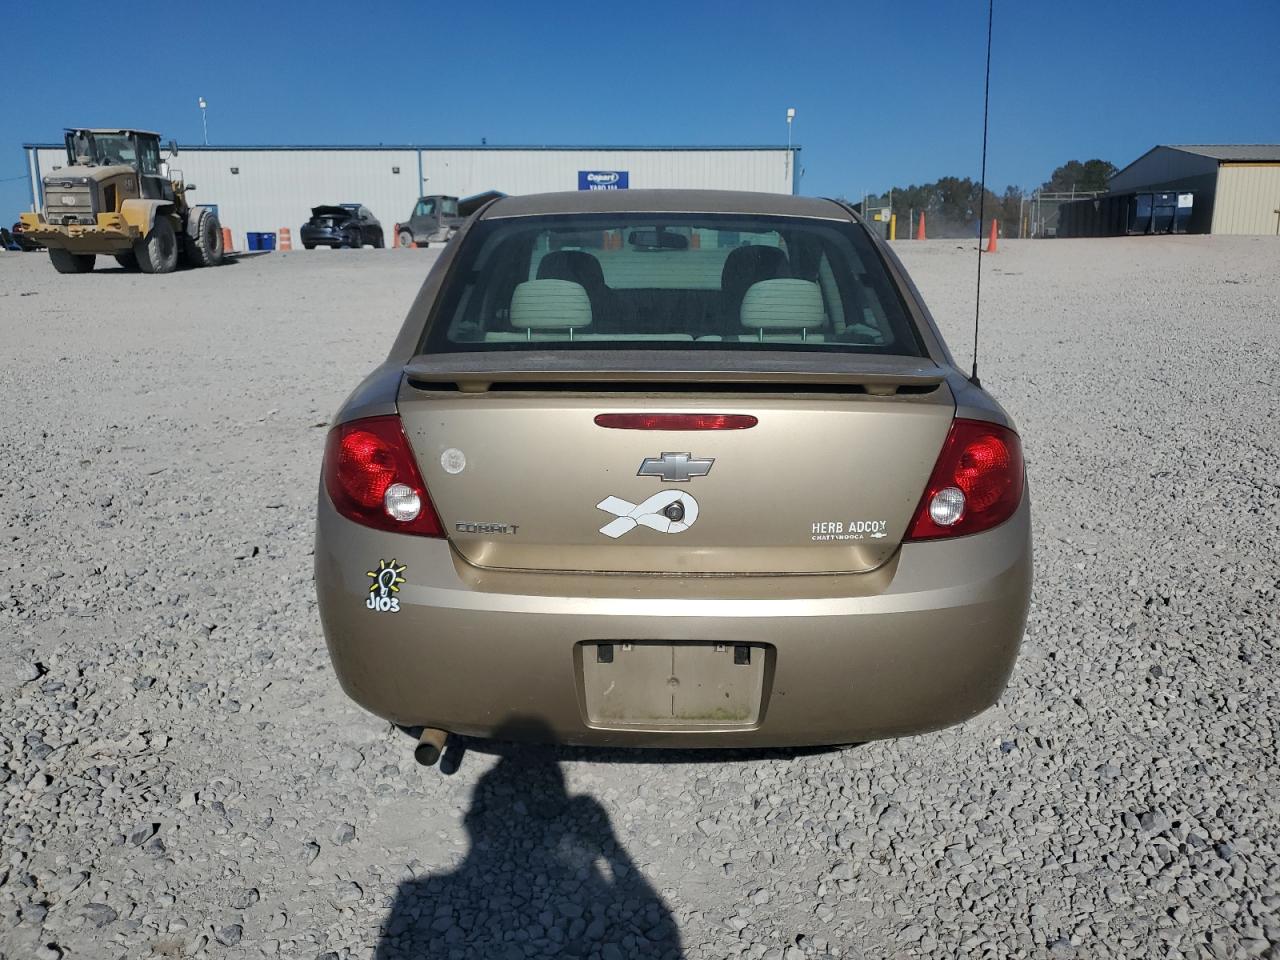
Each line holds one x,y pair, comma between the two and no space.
286,240
920,227
991,240
226,240
395,237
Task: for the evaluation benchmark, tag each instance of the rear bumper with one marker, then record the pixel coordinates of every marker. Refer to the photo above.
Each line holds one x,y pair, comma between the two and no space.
323,238
926,641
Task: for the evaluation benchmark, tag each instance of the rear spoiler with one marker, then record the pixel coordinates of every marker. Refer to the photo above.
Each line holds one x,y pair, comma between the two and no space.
662,370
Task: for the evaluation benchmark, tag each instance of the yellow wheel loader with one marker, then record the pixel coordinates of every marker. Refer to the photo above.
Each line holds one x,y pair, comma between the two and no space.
116,196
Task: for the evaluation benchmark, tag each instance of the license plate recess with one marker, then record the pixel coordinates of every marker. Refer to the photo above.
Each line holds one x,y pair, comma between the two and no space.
691,685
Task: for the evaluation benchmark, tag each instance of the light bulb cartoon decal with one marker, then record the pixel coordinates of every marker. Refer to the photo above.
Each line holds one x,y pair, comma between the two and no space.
386,584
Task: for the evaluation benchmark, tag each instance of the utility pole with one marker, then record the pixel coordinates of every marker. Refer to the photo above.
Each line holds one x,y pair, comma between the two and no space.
791,115
203,120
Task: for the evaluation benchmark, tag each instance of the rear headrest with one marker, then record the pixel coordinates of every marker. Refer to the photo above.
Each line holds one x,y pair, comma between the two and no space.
783,305
550,305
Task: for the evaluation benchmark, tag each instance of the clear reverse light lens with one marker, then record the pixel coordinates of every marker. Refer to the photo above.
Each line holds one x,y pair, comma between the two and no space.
404,504
946,508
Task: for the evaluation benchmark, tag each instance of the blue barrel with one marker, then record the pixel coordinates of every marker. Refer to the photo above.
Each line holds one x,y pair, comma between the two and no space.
261,241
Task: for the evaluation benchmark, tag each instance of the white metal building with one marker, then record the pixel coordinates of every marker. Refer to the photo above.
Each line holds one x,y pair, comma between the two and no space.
1239,183
264,188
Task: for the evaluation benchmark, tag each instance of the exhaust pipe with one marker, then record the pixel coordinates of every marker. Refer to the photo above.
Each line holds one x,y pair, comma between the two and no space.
430,746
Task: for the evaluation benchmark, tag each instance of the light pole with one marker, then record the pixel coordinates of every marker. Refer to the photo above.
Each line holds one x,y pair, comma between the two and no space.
791,115
203,121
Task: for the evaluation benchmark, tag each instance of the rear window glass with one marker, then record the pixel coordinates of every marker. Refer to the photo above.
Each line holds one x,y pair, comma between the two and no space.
670,281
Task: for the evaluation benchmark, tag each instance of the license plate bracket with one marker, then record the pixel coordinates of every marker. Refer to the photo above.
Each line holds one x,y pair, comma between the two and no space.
690,684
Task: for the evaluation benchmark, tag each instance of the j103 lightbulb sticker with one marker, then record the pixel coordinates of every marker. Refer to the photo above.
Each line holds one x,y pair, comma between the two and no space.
386,584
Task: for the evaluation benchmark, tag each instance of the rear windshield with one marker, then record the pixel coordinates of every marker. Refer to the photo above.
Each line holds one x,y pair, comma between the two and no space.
670,281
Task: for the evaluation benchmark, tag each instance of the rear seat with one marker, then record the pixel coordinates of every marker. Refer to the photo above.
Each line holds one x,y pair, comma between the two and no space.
506,336
550,309
774,311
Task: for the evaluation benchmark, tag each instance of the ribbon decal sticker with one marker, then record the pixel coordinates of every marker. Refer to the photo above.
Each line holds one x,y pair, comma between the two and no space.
671,511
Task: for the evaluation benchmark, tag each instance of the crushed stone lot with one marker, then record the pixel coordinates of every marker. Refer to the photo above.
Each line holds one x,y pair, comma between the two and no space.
180,775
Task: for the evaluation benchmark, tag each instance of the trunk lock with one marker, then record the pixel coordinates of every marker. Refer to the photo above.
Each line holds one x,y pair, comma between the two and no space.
674,511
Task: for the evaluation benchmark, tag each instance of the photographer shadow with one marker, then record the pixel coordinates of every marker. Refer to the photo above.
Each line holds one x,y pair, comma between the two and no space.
545,876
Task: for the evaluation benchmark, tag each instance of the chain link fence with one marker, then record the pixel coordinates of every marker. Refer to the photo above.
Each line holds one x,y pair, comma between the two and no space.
1041,218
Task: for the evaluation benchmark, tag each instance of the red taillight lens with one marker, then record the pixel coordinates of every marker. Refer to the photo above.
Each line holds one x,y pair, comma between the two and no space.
676,421
976,483
363,459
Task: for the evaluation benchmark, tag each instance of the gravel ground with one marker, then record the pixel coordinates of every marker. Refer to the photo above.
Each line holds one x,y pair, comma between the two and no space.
180,775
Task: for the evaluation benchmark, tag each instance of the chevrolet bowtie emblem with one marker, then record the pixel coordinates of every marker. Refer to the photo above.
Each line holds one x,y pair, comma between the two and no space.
675,467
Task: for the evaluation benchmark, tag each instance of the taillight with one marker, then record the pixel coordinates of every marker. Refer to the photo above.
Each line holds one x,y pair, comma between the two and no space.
372,478
976,483
676,421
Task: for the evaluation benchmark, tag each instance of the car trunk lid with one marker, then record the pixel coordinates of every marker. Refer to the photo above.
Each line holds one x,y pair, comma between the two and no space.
826,480
330,216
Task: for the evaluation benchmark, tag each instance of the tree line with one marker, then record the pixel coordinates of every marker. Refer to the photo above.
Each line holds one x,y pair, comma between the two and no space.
951,204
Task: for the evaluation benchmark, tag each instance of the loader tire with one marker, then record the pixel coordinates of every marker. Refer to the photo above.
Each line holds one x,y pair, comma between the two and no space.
64,261
127,260
157,252
204,239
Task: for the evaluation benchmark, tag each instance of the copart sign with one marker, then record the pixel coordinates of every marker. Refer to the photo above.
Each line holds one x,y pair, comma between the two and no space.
602,179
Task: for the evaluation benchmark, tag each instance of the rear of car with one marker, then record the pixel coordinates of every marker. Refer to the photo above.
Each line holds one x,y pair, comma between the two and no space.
672,469
331,226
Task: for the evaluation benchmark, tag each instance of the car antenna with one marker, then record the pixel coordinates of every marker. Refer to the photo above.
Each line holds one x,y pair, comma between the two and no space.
982,195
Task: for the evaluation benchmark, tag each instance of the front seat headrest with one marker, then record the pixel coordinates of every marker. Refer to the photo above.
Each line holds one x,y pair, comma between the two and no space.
574,265
745,266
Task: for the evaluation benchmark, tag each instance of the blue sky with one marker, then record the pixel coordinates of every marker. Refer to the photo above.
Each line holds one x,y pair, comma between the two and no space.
886,93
